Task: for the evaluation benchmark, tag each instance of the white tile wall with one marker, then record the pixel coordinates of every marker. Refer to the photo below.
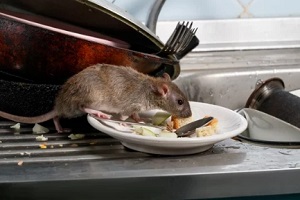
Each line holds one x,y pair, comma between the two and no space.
212,9
275,8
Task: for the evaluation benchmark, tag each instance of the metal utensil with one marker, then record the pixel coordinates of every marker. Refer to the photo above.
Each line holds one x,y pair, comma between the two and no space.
192,44
188,129
179,40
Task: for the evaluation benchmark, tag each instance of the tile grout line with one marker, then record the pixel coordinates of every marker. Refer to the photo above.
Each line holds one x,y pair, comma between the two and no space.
246,8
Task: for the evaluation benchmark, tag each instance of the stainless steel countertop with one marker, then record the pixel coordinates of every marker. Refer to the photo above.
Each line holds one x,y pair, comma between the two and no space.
231,168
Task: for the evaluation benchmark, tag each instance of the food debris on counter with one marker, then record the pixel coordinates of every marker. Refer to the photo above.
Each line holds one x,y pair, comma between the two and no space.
76,136
43,146
25,153
20,163
41,138
17,126
38,129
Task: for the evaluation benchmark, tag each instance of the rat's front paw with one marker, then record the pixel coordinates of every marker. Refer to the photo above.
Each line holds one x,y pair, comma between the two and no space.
96,113
103,115
136,117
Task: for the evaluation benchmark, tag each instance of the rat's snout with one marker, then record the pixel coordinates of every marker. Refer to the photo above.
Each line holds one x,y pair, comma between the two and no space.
186,113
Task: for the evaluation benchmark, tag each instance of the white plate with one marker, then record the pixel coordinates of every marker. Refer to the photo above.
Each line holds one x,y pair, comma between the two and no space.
265,127
230,124
296,92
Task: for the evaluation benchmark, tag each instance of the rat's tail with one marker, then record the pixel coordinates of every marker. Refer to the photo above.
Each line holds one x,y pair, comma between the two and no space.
29,120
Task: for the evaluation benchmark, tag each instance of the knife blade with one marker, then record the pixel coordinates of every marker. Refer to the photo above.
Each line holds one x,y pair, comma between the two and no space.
187,129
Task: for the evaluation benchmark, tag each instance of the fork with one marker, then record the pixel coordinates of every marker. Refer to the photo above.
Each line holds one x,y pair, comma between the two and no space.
180,40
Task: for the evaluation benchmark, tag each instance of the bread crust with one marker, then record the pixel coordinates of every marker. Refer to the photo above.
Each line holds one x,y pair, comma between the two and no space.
179,122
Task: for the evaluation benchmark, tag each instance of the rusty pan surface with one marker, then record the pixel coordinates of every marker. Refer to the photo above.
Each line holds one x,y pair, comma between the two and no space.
37,49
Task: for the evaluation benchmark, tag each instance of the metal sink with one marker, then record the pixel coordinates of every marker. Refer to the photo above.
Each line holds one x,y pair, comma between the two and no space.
228,78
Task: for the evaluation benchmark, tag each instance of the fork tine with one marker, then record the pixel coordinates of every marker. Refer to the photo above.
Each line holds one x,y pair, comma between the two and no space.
186,38
176,43
177,36
173,34
179,39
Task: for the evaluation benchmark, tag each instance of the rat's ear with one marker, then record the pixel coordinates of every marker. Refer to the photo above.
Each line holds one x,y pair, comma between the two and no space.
161,90
167,77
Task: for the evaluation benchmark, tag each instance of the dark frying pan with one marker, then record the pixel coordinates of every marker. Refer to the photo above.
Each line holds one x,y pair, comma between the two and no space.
38,49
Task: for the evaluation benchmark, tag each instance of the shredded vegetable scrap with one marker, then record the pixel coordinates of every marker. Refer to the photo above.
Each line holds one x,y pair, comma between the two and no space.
76,136
38,129
41,138
16,126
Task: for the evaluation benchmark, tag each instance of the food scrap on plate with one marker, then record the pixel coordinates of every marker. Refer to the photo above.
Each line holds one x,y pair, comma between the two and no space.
170,124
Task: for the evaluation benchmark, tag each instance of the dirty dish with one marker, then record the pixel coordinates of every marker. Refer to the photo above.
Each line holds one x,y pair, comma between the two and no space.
230,124
263,127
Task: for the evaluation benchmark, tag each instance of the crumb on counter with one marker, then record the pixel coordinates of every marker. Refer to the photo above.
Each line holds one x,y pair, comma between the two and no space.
41,138
20,163
43,146
76,136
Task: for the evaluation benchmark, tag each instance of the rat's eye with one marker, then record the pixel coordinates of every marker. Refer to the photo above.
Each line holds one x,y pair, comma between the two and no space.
180,102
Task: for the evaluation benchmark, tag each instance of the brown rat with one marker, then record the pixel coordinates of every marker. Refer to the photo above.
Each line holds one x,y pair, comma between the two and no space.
112,89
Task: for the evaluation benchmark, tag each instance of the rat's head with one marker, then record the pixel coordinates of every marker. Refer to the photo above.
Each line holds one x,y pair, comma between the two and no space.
170,98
